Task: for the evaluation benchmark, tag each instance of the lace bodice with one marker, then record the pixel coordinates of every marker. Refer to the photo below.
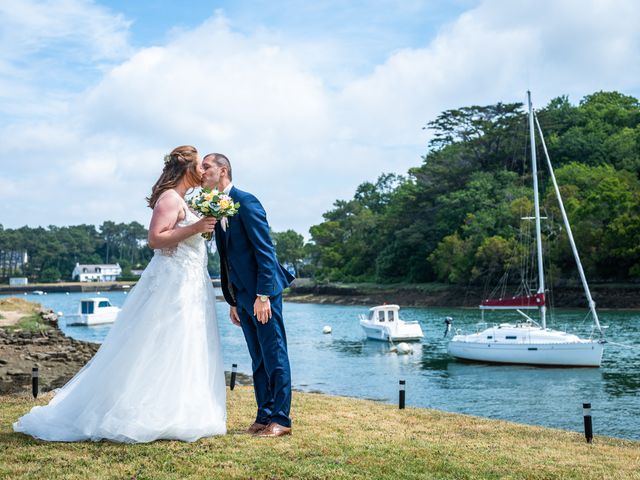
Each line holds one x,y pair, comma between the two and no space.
191,250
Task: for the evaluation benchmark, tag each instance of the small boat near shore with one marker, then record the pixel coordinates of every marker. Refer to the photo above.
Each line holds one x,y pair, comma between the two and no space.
384,323
94,311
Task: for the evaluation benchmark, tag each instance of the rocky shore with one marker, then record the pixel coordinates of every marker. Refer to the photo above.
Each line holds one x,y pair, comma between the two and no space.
57,356
43,345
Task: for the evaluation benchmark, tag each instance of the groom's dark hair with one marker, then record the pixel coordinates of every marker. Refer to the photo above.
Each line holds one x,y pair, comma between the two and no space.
222,161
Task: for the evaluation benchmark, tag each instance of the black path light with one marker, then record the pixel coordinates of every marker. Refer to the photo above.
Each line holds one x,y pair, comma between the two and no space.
588,424
234,371
34,381
401,399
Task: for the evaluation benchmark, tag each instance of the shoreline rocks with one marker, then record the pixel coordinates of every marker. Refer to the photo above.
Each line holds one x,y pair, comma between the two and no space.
57,357
607,296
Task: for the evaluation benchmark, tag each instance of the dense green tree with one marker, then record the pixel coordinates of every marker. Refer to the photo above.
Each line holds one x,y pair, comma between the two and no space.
458,217
289,247
53,251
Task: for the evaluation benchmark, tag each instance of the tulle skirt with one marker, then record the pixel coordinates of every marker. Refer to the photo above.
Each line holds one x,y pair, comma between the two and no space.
158,374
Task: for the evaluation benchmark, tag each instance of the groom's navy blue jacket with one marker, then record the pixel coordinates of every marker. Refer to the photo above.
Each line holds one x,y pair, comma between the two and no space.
248,263
249,267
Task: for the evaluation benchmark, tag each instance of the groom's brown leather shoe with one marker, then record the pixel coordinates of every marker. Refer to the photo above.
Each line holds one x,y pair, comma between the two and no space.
275,430
256,428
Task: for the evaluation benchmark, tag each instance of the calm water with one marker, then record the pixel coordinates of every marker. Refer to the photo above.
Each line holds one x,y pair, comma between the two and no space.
344,363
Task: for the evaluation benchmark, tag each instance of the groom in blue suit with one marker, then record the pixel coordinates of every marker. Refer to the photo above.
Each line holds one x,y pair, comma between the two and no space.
252,284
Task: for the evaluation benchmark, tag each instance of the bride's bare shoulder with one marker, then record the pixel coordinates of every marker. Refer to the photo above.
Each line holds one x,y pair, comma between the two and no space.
169,202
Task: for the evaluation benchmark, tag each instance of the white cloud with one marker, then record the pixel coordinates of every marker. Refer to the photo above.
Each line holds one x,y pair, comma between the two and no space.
297,136
84,28
49,48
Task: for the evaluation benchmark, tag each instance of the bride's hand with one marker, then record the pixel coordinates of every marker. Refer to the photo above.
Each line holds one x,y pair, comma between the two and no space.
205,225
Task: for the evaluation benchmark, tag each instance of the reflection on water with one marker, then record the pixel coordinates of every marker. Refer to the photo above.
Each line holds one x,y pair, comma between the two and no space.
345,363
620,384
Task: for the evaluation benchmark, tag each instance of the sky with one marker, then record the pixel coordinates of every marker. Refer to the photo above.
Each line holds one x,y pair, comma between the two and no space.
307,99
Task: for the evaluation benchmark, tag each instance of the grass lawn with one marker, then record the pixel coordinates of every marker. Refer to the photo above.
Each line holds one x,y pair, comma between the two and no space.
333,438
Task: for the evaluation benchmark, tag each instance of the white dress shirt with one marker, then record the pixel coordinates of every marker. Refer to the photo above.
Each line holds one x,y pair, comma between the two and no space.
225,221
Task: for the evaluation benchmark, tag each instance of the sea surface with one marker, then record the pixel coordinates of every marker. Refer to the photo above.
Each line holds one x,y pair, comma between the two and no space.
345,363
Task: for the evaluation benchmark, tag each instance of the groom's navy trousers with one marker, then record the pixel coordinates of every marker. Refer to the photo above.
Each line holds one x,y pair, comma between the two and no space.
267,345
249,267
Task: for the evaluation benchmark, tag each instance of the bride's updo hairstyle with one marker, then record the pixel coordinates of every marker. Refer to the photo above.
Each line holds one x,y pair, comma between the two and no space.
181,162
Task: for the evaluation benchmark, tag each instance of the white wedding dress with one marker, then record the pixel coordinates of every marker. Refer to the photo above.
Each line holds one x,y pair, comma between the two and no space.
159,372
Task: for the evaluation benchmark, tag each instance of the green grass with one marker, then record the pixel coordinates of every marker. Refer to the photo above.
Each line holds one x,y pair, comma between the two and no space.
334,438
31,322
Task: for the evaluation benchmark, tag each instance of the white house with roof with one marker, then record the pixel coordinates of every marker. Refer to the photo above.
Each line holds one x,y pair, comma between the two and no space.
96,273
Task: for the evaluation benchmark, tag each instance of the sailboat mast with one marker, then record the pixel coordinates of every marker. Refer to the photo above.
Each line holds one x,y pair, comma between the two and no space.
536,204
583,277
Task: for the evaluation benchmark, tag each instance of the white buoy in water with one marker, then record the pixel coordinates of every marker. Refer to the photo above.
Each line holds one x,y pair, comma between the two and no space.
67,293
59,314
326,329
404,348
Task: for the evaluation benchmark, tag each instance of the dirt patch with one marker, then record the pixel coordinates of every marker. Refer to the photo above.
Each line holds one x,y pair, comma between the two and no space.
10,318
15,304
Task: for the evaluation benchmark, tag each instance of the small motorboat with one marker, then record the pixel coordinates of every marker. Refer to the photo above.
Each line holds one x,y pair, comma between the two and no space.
95,311
384,323
38,292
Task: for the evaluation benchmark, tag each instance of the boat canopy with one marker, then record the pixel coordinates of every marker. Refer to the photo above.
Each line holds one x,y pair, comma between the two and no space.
522,302
385,307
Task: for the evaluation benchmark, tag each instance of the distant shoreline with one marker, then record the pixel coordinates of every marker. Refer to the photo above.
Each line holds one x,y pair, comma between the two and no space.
606,296
73,287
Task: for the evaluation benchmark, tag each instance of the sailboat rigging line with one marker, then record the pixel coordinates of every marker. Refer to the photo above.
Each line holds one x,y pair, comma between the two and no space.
536,204
635,347
565,218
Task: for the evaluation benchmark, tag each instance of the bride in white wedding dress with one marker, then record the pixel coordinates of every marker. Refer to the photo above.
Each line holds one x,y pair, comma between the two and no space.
159,373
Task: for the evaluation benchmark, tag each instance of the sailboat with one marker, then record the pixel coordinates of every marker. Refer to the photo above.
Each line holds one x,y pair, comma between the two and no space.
528,341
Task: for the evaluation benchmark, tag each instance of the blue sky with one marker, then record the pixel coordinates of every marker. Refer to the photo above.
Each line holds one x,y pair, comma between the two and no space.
376,26
308,99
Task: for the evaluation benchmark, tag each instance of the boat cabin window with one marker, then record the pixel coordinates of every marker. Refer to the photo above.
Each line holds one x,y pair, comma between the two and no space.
511,337
380,316
86,308
489,337
104,304
392,315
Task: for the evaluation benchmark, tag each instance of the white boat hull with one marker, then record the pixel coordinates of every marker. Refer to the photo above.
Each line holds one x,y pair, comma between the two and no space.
101,318
583,354
408,332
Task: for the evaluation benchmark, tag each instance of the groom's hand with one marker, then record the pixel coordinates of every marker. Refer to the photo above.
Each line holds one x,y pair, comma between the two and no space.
262,310
235,318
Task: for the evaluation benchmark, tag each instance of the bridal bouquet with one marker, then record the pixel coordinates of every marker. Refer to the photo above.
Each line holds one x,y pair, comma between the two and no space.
212,203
